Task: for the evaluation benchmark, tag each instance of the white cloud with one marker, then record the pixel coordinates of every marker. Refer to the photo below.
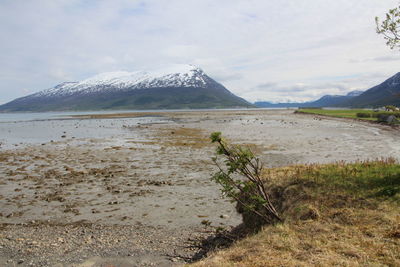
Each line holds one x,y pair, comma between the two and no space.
243,44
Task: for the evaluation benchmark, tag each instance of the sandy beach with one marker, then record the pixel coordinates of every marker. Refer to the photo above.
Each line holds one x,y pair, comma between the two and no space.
132,193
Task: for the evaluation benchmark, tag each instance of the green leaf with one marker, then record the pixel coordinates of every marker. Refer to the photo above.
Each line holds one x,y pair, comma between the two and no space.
215,137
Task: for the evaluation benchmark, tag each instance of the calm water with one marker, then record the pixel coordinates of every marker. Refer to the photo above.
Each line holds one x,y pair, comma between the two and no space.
17,117
19,129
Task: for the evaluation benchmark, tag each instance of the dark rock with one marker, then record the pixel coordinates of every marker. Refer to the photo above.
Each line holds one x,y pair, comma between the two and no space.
389,119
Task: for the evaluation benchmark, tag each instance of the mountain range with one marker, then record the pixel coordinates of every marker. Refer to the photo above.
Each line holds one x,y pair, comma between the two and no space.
175,87
386,93
325,101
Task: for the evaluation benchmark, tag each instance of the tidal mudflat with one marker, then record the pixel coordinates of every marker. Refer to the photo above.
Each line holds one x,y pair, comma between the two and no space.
136,191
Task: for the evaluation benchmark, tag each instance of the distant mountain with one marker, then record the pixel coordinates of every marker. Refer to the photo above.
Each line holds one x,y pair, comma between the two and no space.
176,87
333,100
325,101
386,93
266,104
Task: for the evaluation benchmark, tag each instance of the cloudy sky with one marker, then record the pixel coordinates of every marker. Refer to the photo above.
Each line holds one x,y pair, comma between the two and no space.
275,50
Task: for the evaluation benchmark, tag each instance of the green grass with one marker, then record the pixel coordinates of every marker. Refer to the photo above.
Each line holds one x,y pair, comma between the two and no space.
360,114
370,179
339,113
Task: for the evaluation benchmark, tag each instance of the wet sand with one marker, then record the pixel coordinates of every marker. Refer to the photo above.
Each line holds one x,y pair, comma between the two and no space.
143,198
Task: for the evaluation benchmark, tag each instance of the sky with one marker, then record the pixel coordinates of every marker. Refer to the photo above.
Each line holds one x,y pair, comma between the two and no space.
275,50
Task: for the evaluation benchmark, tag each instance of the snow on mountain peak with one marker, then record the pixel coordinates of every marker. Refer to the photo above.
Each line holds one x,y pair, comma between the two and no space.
112,78
177,68
355,93
106,77
178,75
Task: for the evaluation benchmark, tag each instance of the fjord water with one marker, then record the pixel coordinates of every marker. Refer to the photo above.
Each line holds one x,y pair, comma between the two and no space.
37,116
17,129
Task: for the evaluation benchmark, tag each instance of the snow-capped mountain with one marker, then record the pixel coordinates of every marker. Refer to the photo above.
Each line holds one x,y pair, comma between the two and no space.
177,86
173,76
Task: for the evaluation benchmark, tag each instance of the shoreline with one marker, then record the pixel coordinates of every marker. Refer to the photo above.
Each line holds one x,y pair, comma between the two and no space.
352,119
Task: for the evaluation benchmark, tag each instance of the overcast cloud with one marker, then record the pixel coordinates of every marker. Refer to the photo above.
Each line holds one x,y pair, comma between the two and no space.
275,50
